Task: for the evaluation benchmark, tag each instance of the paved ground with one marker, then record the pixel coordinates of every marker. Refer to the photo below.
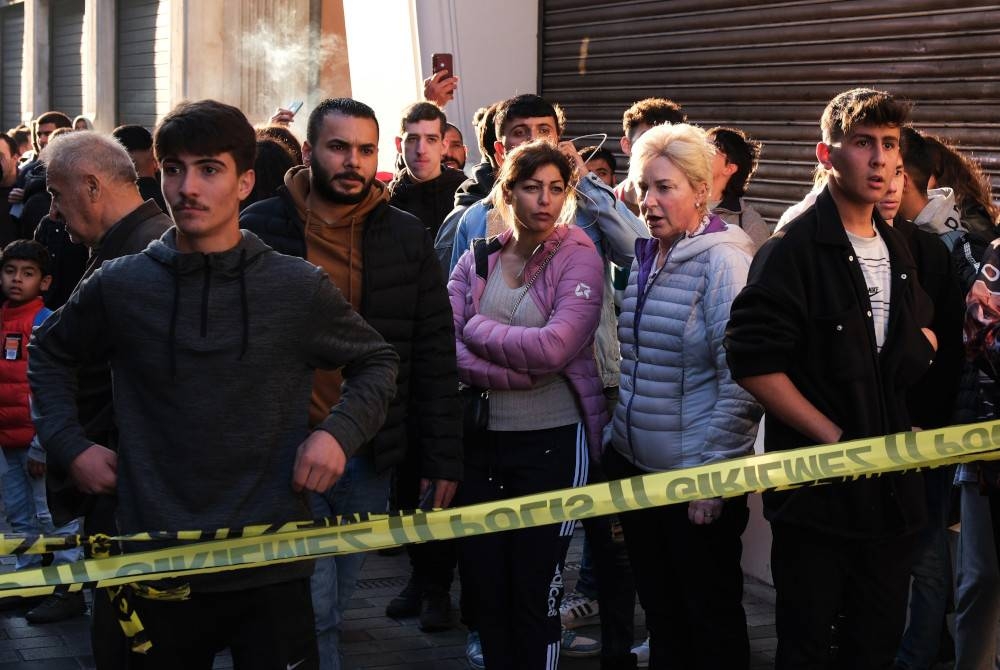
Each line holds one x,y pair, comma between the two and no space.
371,639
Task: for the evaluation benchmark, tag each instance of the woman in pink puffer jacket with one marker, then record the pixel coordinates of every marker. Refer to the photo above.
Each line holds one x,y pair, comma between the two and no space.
526,304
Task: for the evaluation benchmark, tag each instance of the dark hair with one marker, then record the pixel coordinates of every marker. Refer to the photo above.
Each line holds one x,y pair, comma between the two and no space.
920,158
285,136
206,128
742,152
274,159
26,250
651,112
599,153
343,106
526,106
11,143
527,158
423,111
861,106
20,134
59,119
133,137
486,133
964,175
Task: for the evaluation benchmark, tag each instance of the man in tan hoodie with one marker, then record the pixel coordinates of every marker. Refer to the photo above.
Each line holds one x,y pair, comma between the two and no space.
333,212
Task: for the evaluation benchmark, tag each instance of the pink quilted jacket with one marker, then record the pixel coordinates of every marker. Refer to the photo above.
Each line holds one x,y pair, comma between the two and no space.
496,355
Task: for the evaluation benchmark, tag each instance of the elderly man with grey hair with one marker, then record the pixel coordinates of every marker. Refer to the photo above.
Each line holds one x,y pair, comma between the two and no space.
92,181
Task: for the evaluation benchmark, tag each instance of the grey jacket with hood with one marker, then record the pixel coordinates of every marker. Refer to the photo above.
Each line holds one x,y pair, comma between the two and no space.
212,358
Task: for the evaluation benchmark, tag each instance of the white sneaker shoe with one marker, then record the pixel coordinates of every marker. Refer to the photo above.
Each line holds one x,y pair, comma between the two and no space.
578,610
641,652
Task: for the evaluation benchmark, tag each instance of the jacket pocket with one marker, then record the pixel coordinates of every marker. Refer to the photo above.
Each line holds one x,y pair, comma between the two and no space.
842,341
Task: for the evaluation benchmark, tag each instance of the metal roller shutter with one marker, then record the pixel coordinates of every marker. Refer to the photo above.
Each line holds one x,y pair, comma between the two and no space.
143,60
12,53
66,56
771,67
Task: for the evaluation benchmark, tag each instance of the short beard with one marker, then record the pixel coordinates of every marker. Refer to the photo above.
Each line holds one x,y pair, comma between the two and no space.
320,183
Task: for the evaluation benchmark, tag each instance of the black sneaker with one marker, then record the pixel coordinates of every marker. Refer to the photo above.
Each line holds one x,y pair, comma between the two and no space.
435,614
407,603
57,607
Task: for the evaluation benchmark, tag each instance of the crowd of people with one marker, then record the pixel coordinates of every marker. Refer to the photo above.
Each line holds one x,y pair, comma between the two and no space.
213,325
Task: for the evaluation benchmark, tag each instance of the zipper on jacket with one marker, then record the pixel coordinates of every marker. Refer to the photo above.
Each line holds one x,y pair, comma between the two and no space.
640,305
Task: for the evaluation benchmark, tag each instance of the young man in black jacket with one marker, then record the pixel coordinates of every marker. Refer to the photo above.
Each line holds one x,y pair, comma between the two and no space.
828,335
333,212
424,187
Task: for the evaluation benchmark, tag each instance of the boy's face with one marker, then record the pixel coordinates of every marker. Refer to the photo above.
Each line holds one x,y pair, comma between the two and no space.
862,163
204,195
518,131
888,206
600,167
22,281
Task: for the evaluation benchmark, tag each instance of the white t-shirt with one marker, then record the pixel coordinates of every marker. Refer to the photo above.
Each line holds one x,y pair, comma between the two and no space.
873,256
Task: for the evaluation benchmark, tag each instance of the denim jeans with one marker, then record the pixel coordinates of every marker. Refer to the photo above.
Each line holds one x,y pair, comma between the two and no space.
931,574
28,511
977,593
360,489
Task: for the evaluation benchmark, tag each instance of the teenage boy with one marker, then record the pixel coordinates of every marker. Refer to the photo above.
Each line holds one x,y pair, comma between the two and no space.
24,276
601,162
735,162
213,340
828,335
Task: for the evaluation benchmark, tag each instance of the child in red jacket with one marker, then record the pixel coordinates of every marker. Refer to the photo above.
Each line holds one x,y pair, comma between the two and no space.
24,276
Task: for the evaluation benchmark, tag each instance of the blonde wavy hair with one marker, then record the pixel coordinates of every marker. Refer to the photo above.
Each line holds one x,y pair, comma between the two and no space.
686,146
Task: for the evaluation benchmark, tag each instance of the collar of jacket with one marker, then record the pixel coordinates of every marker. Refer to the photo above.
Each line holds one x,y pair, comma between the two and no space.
730,203
483,248
830,227
119,232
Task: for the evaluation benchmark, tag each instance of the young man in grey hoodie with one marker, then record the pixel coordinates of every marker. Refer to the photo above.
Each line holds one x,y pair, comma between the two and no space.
212,357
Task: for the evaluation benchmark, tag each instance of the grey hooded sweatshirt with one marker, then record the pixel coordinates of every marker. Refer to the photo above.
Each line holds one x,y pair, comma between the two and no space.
212,358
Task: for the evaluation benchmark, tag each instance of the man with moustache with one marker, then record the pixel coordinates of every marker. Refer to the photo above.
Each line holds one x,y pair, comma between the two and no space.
212,340
334,213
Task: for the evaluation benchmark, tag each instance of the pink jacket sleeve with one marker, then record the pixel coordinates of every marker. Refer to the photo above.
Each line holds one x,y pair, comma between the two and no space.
472,369
576,310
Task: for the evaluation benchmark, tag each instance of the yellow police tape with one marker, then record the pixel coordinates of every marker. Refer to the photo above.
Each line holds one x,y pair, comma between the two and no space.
258,545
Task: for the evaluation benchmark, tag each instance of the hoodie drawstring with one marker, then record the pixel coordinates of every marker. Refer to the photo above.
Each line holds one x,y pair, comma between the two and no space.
206,288
243,303
204,295
171,341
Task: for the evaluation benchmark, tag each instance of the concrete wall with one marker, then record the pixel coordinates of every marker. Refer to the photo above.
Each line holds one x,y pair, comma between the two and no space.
495,48
256,54
381,48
